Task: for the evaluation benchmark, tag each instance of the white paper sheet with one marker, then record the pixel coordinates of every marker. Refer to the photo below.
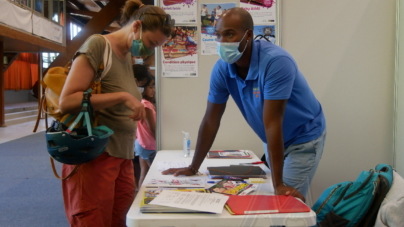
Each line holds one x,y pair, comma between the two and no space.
208,202
167,165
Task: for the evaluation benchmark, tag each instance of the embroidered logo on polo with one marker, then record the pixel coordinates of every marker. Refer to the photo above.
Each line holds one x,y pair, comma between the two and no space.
257,92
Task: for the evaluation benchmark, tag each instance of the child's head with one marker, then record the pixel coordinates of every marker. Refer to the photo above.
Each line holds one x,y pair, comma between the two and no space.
149,89
141,73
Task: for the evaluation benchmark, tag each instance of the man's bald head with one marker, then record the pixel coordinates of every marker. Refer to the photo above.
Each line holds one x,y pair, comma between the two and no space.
239,16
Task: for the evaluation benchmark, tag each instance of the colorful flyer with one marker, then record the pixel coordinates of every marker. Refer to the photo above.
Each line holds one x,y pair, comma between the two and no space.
262,11
182,11
210,13
180,53
265,32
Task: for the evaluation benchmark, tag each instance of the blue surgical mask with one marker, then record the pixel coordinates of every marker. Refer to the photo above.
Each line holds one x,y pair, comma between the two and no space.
229,52
141,89
138,49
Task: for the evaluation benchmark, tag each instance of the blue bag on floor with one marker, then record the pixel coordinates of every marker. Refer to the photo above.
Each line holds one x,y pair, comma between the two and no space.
354,203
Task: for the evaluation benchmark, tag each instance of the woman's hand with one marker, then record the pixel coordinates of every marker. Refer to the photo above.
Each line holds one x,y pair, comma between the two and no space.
136,106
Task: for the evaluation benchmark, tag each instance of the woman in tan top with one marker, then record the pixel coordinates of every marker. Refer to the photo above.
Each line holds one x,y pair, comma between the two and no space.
101,192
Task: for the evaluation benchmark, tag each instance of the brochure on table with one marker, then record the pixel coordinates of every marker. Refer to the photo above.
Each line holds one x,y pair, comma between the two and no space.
208,202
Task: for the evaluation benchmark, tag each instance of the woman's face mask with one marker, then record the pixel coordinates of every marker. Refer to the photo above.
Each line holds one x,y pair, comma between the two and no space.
138,49
228,51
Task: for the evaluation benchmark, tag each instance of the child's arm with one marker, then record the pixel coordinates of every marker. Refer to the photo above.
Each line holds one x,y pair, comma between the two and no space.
151,122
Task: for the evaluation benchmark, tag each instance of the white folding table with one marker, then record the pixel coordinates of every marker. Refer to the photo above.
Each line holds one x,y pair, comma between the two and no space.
137,219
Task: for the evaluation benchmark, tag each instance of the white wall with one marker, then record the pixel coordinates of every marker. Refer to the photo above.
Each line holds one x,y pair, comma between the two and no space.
345,49
399,141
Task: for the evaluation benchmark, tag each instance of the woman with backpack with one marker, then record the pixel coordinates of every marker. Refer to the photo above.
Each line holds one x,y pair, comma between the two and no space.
101,191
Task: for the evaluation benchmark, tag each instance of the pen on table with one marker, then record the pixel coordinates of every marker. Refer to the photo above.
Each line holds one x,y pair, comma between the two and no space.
253,163
214,182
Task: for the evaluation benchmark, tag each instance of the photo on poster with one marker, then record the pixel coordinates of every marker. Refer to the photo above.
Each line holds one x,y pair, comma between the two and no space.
262,11
182,11
180,53
265,32
210,13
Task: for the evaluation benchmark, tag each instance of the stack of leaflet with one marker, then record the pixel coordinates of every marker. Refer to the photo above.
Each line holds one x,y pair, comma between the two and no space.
150,194
236,171
229,154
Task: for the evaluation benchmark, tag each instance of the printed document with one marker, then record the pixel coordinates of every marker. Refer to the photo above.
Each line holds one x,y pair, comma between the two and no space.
207,202
167,165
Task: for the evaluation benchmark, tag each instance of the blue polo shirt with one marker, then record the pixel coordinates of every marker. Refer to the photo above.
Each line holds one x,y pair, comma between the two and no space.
273,75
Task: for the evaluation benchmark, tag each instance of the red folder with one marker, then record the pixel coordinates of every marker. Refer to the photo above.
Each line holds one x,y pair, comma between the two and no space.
264,204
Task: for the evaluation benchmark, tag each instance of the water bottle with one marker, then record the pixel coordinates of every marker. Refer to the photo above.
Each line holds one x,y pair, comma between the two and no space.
186,144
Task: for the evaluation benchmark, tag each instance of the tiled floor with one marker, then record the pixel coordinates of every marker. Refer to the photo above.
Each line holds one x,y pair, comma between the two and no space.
20,130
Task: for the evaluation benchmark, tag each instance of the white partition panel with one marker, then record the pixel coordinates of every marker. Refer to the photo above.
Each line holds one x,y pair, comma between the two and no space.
399,98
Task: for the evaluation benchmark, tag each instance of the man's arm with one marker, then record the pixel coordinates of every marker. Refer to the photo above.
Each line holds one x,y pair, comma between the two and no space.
273,118
206,135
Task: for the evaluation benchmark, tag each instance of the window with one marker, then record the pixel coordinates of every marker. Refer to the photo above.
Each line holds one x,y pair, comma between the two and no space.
47,59
74,30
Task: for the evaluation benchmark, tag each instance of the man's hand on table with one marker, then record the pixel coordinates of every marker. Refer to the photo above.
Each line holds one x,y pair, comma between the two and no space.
179,171
286,190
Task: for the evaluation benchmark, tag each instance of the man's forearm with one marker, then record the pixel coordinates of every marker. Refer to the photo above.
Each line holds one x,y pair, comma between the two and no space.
206,136
276,154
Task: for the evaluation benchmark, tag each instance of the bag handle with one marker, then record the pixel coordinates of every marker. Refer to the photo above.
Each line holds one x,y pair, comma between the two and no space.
56,173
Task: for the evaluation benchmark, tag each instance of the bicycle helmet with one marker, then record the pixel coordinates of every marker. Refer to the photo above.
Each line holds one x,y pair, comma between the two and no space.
76,146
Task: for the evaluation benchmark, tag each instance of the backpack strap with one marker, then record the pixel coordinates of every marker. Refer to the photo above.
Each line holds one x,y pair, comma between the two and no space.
102,71
106,61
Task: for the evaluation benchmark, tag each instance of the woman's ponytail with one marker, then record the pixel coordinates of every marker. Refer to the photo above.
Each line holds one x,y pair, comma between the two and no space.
129,10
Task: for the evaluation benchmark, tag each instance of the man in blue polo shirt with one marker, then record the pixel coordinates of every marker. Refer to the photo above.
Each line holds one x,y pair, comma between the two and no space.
274,98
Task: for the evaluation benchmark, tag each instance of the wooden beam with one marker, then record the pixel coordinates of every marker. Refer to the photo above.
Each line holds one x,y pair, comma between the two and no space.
95,26
82,13
2,112
70,5
28,38
78,5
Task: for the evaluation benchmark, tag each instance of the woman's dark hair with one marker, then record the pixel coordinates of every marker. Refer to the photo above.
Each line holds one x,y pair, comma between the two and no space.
150,81
153,18
140,72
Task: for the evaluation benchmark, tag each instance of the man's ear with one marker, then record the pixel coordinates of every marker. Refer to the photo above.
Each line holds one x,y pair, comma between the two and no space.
250,34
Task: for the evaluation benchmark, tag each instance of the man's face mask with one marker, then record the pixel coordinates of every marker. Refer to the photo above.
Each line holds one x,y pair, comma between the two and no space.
229,52
138,49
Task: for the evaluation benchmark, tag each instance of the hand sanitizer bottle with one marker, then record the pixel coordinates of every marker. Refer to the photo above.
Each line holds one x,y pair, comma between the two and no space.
186,144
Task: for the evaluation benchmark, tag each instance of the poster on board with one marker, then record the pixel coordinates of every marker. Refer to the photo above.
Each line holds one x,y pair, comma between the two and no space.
180,53
265,32
262,11
182,11
210,13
